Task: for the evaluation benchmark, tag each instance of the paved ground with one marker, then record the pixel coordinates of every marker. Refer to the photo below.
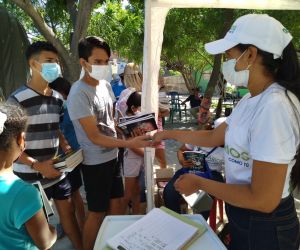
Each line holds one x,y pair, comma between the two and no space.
171,149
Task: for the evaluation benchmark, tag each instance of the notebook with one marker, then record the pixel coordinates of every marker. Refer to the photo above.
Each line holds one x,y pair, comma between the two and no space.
161,229
68,162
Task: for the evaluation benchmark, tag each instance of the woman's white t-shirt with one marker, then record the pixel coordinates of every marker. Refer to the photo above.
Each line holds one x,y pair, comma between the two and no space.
263,128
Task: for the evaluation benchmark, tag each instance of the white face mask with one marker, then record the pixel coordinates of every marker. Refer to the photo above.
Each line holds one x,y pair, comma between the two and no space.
237,78
101,72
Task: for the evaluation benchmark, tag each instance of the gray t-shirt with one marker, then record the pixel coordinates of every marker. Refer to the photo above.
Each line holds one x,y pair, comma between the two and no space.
83,101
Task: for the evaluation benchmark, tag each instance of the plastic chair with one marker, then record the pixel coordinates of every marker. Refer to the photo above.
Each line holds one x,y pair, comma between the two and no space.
176,106
213,213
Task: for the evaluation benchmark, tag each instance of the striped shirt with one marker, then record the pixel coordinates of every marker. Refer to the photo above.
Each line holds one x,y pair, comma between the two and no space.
44,115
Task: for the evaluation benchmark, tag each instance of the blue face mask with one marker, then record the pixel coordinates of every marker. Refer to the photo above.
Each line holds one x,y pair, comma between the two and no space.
50,71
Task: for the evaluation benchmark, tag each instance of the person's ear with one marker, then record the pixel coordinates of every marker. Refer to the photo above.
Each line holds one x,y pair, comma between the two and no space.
33,64
251,55
85,65
21,140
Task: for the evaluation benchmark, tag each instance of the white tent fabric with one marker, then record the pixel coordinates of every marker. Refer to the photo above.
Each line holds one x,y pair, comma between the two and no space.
155,16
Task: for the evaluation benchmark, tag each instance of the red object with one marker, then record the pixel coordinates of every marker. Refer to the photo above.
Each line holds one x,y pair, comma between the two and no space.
213,213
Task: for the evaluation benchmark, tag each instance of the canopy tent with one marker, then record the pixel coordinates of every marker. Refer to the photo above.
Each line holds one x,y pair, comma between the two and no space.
155,16
13,43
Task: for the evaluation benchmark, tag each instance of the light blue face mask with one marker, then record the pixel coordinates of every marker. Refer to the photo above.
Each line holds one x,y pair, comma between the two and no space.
50,71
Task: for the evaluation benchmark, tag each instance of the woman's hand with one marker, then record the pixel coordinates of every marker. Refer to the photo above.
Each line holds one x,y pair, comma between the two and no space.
139,142
186,164
188,184
158,137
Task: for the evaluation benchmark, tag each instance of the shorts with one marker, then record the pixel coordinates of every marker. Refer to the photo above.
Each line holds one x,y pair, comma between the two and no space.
59,191
102,182
133,164
75,178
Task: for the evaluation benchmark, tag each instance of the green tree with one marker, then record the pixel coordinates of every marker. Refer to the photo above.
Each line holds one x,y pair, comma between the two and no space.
61,22
122,28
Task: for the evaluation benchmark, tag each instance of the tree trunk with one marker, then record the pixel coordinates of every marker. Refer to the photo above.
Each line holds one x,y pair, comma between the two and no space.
69,59
219,108
204,114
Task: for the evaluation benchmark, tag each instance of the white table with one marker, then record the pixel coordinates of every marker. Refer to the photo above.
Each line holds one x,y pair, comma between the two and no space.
114,224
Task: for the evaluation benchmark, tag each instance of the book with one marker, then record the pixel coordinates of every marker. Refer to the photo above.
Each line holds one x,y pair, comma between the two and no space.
68,162
197,159
161,228
137,124
47,208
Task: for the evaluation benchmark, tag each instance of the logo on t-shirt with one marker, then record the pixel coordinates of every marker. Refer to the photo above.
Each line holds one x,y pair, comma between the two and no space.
237,157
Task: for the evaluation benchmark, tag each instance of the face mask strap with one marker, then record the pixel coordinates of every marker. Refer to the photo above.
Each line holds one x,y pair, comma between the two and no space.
249,65
241,55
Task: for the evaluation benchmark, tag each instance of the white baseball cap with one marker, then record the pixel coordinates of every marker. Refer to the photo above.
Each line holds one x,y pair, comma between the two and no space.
260,30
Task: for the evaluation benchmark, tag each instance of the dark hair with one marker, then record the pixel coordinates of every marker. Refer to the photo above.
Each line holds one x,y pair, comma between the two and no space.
135,100
87,44
13,126
37,47
61,85
286,72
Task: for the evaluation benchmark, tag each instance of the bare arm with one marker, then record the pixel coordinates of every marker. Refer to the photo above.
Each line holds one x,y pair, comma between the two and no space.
89,126
63,143
45,167
203,138
262,194
42,234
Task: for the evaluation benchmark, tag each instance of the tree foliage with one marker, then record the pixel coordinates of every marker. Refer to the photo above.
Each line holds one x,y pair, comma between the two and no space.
122,28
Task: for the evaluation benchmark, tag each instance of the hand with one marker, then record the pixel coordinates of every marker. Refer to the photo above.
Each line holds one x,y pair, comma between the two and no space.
140,142
187,184
158,137
186,164
47,169
66,148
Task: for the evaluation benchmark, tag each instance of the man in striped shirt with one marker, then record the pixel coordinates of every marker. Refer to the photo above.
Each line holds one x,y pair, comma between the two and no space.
44,108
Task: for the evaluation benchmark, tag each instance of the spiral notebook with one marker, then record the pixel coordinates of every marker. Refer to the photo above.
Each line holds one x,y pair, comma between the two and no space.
159,229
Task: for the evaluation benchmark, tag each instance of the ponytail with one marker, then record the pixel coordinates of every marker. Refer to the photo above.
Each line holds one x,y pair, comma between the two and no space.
288,76
286,73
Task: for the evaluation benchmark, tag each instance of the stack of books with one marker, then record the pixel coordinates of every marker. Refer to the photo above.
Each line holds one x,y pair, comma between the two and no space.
161,228
137,124
68,162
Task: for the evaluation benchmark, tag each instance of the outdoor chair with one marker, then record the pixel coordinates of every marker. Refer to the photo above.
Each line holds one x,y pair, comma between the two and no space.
176,106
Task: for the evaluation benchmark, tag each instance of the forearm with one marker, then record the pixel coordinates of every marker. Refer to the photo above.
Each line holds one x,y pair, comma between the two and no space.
62,140
109,142
203,138
239,195
30,161
26,159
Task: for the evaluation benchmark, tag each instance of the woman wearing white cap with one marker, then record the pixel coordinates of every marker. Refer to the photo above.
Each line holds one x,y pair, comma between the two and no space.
261,137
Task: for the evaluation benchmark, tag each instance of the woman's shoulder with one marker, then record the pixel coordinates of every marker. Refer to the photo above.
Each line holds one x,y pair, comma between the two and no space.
278,96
